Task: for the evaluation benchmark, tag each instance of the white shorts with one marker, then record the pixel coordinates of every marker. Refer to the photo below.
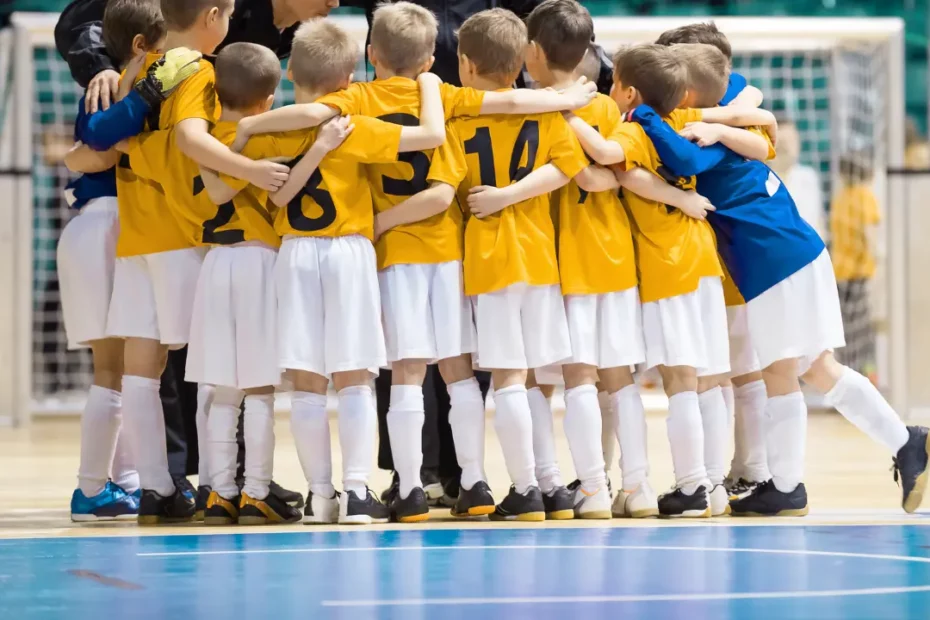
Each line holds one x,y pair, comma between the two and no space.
606,330
153,296
549,375
689,330
522,327
799,317
743,358
234,339
86,261
425,312
329,305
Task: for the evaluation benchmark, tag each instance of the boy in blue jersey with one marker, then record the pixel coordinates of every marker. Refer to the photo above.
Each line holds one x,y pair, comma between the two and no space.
783,270
107,482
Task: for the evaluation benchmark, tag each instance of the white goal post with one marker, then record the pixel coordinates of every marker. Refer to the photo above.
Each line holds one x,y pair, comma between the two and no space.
841,79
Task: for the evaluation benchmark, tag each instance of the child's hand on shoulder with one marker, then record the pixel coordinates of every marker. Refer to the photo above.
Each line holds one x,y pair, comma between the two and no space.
485,200
267,175
427,78
580,94
704,134
334,132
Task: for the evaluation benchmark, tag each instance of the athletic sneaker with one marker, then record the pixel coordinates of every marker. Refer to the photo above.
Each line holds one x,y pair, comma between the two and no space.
388,494
356,511
184,485
719,501
176,508
910,467
739,488
451,487
767,501
432,486
516,507
592,504
203,494
640,503
575,484
677,504
269,511
411,509
560,504
221,511
291,498
474,502
111,504
321,510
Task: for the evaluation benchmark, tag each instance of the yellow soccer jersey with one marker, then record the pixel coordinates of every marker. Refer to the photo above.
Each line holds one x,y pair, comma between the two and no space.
147,226
853,211
595,241
397,100
336,200
516,244
673,251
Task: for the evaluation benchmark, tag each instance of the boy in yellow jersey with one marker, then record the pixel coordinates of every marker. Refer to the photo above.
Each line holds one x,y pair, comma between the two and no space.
425,315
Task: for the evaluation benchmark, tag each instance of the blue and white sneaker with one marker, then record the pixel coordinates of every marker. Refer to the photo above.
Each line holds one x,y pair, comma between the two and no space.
111,504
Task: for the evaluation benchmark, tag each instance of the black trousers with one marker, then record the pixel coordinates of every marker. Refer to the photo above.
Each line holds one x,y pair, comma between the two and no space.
438,445
179,402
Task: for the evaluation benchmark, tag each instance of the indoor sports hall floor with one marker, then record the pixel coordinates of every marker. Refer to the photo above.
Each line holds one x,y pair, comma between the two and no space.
856,556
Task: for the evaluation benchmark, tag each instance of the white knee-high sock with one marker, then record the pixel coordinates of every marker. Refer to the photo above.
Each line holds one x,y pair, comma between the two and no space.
628,410
258,430
146,423
583,430
123,472
730,399
358,426
222,424
405,419
714,418
686,436
205,395
100,425
608,430
466,416
514,424
310,427
548,473
750,458
786,439
861,403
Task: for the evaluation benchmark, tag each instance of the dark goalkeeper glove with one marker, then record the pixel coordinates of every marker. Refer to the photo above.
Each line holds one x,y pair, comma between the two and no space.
167,73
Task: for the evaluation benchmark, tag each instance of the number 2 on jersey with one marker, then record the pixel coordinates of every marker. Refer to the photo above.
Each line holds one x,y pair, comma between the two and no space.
527,141
224,215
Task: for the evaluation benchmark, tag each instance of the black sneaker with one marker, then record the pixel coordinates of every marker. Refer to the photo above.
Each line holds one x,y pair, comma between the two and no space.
517,507
320,509
739,488
451,487
268,511
411,509
291,498
560,504
910,467
475,502
767,501
388,494
221,511
677,504
184,485
203,494
176,508
356,511
432,486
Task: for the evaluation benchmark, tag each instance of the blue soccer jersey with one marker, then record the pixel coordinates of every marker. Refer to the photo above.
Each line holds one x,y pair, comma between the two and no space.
735,86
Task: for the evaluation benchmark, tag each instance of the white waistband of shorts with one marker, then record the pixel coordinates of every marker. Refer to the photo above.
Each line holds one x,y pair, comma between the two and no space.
104,204
254,243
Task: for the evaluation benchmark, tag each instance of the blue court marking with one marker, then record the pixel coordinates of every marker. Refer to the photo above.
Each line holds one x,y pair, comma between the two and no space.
818,572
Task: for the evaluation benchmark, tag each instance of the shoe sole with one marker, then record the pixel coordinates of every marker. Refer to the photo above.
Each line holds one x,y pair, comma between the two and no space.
645,513
794,512
527,516
916,496
198,516
594,514
319,521
77,518
360,520
474,511
157,520
219,521
420,518
689,514
560,515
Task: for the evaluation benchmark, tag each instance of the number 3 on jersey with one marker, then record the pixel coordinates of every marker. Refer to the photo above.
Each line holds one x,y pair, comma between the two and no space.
527,141
418,160
295,212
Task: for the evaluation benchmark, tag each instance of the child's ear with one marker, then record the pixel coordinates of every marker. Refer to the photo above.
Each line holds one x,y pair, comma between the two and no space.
372,56
268,103
290,73
139,45
350,79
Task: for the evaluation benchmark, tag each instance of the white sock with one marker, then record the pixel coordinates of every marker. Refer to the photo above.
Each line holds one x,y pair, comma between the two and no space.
686,436
123,472
466,416
861,403
608,430
310,427
100,424
146,423
205,395
582,426
514,424
786,439
628,410
258,430
405,419
714,418
222,424
750,456
358,426
729,398
548,474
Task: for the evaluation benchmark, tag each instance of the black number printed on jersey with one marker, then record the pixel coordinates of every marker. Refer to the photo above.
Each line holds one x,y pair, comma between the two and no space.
223,216
295,213
527,141
672,179
418,160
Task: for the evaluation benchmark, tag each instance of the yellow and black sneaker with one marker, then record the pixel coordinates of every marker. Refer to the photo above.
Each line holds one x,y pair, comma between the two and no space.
474,502
560,504
203,494
221,511
154,508
767,501
411,509
526,507
268,511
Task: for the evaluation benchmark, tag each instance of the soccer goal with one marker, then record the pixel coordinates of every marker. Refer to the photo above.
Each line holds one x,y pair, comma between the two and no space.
840,81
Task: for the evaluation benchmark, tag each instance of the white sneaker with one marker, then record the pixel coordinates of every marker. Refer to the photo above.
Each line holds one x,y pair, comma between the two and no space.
321,510
594,505
639,503
719,501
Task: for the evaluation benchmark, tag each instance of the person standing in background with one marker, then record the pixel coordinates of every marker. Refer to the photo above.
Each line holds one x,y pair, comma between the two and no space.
916,148
802,181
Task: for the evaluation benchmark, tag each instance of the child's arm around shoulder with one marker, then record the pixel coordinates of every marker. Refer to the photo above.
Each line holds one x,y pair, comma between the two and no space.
484,200
599,148
526,101
423,205
741,141
749,97
331,135
647,185
85,160
217,190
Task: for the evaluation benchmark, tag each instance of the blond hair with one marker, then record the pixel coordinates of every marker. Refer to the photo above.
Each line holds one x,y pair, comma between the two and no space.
495,40
708,72
403,36
660,76
323,55
246,75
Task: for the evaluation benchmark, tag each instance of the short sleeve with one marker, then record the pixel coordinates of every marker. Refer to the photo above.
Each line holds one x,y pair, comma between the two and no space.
372,141
633,139
565,152
768,140
449,165
682,116
460,101
196,97
258,147
149,152
610,117
347,100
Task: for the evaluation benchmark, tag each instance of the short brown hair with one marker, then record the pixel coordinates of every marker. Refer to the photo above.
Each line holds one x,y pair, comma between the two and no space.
708,72
124,19
403,35
323,55
180,15
495,40
590,65
246,75
563,29
701,32
656,72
